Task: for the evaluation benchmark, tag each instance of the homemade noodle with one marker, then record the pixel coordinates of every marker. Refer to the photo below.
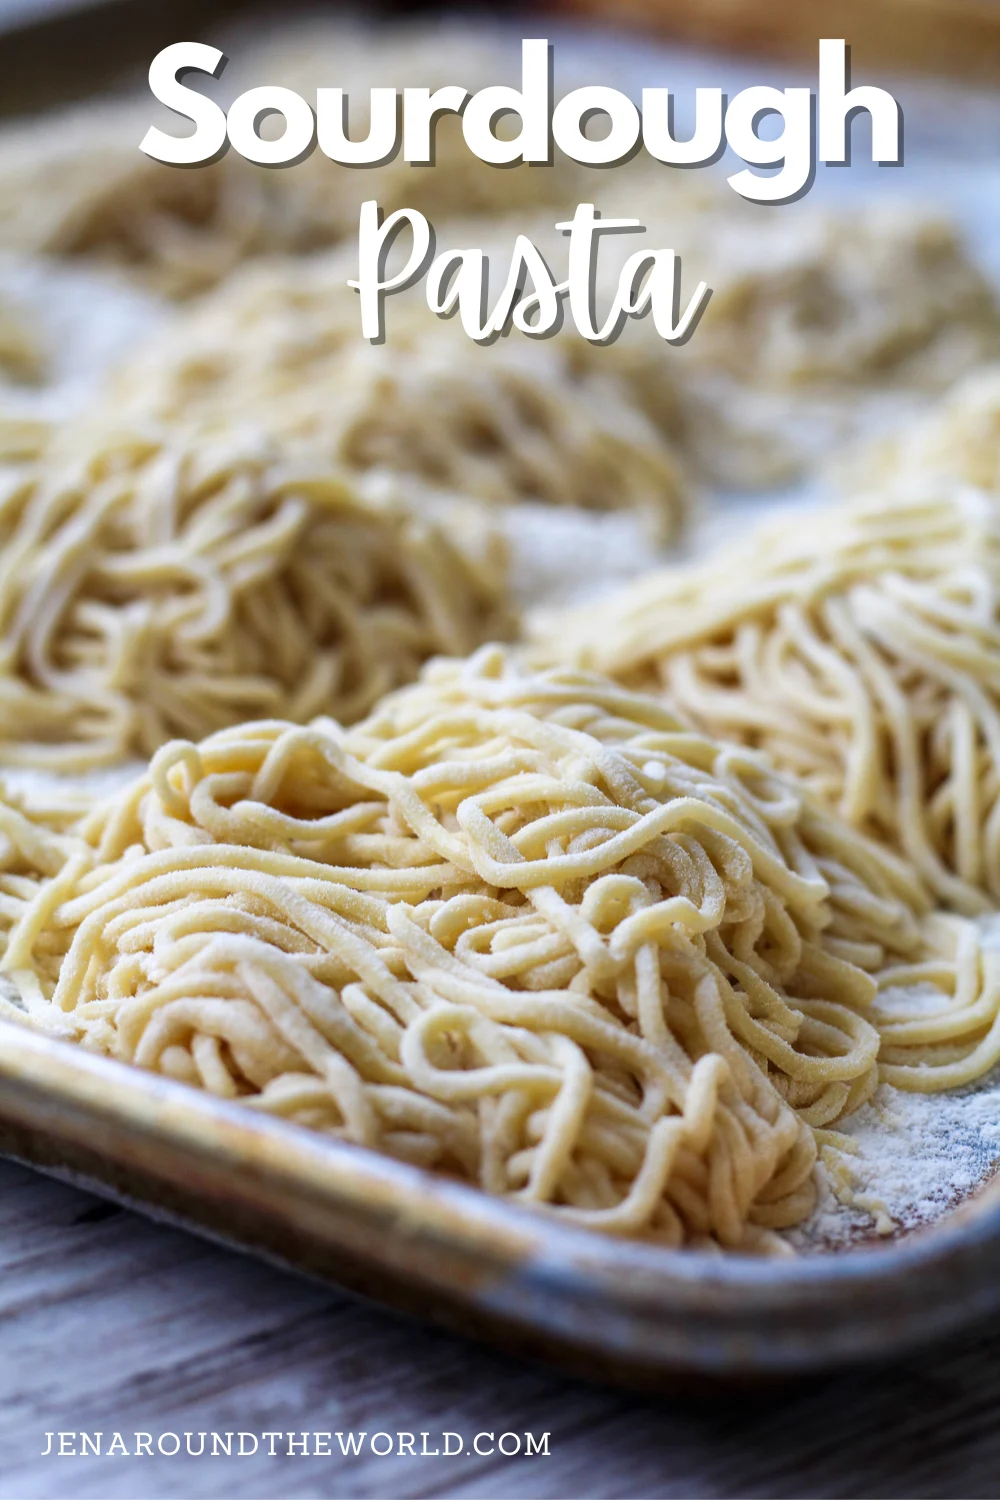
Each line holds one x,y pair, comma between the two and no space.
860,647
957,439
815,315
523,929
75,184
151,587
815,319
280,344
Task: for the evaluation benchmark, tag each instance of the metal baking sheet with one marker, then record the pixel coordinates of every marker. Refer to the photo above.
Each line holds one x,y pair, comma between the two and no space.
614,1309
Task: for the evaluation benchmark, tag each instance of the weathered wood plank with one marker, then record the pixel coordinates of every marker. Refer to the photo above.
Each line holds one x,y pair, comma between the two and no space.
108,1323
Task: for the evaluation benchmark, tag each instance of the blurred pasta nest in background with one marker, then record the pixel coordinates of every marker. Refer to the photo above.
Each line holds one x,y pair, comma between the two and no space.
280,345
813,311
76,185
816,315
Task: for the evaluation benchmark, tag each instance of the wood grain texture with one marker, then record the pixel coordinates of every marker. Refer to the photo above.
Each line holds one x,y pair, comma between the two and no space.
108,1322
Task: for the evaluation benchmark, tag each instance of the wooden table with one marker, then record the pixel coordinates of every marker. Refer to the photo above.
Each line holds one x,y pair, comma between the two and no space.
111,1323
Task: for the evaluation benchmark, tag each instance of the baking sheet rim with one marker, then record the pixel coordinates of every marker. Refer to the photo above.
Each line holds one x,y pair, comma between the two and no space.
570,1288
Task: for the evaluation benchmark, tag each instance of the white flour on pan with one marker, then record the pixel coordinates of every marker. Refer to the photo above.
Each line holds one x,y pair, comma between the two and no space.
918,1155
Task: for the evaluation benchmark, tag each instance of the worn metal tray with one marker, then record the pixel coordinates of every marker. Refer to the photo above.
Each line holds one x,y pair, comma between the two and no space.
448,1253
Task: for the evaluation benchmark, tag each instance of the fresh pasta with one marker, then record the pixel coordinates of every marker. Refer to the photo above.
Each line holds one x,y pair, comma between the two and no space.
75,184
525,929
860,647
280,345
958,439
832,300
818,321
24,357
151,586
815,316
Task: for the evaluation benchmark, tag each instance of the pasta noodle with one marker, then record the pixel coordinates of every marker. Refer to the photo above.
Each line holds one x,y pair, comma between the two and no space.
814,316
827,299
23,356
151,586
817,321
958,439
525,929
75,184
626,948
281,345
860,648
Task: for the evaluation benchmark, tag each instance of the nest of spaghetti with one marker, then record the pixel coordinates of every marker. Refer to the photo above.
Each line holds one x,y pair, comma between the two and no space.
957,439
815,321
280,344
153,584
860,648
523,929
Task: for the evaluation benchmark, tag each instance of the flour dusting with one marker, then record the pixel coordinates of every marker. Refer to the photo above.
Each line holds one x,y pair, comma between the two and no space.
918,1155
